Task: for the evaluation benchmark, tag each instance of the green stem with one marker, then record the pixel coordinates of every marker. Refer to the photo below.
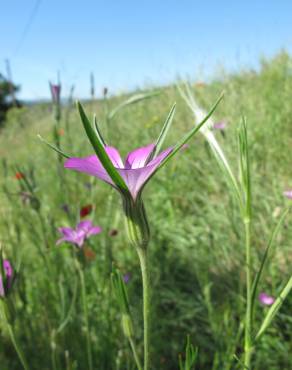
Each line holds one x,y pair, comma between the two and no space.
85,314
4,309
146,304
17,348
248,318
135,354
53,347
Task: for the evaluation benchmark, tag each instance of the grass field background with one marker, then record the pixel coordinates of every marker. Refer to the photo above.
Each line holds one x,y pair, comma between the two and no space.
197,245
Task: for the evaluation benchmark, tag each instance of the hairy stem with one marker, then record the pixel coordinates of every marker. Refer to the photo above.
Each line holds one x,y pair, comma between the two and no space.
248,318
146,304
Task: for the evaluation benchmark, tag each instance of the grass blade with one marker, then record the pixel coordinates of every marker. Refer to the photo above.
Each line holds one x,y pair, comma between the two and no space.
70,310
274,309
132,100
245,167
266,254
100,151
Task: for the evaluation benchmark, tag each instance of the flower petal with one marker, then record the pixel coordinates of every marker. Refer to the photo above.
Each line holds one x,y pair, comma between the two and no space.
66,231
84,226
2,293
138,177
115,157
63,239
7,268
90,165
80,237
137,158
94,230
288,194
160,157
266,299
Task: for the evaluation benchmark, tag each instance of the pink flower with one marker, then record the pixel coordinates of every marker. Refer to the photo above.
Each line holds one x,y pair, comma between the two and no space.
77,236
266,299
136,170
6,280
220,126
288,193
56,92
127,277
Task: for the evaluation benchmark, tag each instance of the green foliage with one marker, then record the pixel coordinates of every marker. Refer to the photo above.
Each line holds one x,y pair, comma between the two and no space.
196,253
191,354
6,89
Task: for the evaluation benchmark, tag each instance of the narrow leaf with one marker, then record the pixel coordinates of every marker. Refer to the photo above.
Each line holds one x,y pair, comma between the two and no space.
163,133
70,310
132,100
245,167
100,151
98,133
59,151
265,257
274,309
120,291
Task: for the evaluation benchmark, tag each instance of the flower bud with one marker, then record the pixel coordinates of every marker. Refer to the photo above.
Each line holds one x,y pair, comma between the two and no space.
127,326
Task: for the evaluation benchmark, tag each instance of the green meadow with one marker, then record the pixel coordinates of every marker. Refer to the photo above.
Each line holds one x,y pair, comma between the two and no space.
62,308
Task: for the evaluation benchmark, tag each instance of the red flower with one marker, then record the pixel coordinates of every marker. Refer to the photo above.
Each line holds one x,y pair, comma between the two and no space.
19,176
86,210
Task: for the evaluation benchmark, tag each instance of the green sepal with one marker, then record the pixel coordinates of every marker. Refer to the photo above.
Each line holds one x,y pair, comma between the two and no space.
98,146
120,291
59,151
162,135
190,134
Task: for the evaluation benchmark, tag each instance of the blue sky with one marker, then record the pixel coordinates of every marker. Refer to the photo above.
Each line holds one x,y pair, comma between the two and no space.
129,44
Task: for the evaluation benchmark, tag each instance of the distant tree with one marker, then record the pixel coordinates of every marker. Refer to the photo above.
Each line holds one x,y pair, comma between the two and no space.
7,97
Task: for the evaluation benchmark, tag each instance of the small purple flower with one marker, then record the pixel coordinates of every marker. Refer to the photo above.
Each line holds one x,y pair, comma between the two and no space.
126,278
266,299
77,236
288,193
56,92
220,126
184,147
136,170
6,280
